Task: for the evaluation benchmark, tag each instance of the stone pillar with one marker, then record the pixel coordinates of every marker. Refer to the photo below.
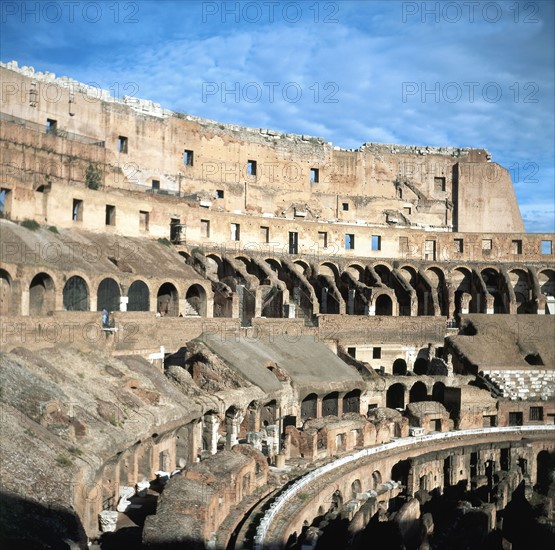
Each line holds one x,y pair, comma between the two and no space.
123,301
25,301
211,425
324,295
351,301
232,425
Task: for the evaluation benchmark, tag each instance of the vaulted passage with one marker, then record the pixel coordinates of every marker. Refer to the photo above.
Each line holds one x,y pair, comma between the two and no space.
139,297
168,300
108,296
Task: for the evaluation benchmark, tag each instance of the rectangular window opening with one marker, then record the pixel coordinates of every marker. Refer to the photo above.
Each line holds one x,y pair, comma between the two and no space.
293,242
349,241
235,232
314,175
155,185
376,242
51,126
110,214
205,228
459,246
322,239
219,193
547,248
430,250
516,247
345,206
144,220
439,184
352,351
486,247
376,353
251,167
77,210
407,210
265,234
5,196
122,144
188,157
536,413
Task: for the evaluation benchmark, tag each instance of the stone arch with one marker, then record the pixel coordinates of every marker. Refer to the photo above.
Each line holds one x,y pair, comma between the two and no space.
76,294
274,264
395,396
330,269
301,266
7,295
461,280
493,280
400,472
546,280
195,299
185,255
520,281
330,404
215,265
418,392
384,305
108,295
356,271
139,296
384,273
268,413
167,300
351,402
309,407
399,367
42,294
545,463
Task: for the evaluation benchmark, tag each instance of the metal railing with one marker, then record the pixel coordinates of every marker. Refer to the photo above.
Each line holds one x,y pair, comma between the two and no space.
283,498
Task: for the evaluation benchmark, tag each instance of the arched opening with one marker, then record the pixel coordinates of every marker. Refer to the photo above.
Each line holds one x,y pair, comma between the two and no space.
400,472
546,279
376,480
384,274
438,392
356,488
384,305
76,294
309,407
395,396
420,366
351,402
521,285
139,297
399,367
461,280
330,404
168,300
5,292
418,392
41,295
268,414
493,282
545,469
108,295
437,281
195,301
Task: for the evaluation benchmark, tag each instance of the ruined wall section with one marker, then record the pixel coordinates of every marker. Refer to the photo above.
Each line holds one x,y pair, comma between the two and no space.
258,171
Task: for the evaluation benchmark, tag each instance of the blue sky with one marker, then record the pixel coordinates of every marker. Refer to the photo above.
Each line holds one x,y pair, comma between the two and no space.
468,74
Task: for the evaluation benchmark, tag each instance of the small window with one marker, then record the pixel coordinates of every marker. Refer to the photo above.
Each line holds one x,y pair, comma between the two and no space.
188,157
77,210
235,232
265,234
352,352
51,126
376,353
376,242
219,193
349,241
486,247
322,239
516,247
459,246
547,248
144,220
122,144
345,206
293,242
430,250
251,167
314,175
407,210
536,413
205,228
439,184
155,185
110,214
404,246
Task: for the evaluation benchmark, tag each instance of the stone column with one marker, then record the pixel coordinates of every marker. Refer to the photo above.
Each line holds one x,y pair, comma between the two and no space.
211,424
232,425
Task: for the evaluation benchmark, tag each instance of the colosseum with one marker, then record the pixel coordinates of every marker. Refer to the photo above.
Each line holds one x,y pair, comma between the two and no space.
222,337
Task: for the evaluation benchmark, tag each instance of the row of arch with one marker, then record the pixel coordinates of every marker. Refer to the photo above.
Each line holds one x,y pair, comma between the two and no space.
76,295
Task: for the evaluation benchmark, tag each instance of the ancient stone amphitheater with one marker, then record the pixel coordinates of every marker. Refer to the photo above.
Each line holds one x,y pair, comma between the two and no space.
233,338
